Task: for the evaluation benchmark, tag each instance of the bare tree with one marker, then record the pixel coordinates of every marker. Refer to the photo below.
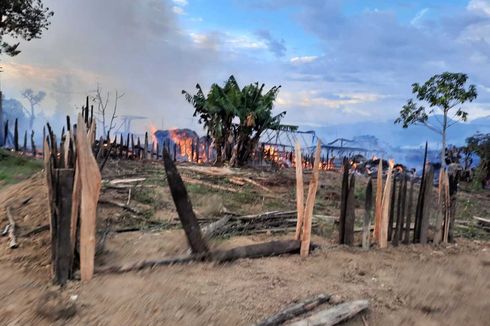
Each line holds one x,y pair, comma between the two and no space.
106,115
33,99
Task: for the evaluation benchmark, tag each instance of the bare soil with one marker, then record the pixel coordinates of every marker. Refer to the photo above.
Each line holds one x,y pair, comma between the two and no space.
409,284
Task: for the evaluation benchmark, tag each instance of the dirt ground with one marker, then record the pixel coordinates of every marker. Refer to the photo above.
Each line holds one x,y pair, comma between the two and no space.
406,285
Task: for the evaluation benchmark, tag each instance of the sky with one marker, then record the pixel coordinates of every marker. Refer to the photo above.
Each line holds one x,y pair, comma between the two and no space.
348,62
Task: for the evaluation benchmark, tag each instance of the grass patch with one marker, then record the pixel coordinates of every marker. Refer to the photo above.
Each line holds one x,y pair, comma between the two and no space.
15,168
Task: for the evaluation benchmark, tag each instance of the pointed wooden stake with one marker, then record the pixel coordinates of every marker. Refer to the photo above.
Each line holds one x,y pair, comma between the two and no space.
90,188
379,201
368,205
300,196
310,203
386,204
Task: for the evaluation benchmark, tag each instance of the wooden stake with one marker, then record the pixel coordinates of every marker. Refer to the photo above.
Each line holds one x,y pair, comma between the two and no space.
16,135
90,189
184,206
440,212
420,200
368,204
343,201
299,191
310,203
379,201
386,204
406,240
424,223
350,216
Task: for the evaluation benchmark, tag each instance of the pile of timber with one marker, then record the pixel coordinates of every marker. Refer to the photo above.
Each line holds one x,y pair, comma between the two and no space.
270,222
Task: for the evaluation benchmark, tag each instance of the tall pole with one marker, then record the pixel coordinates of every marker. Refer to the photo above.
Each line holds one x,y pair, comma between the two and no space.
2,141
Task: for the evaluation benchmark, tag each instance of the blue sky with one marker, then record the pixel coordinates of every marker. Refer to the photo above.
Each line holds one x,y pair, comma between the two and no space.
339,62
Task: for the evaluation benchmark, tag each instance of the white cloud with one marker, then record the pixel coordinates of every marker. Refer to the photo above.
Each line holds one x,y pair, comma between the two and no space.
479,6
418,17
308,99
178,10
182,3
303,59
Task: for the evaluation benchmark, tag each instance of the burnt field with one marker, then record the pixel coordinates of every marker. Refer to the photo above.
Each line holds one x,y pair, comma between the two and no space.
137,220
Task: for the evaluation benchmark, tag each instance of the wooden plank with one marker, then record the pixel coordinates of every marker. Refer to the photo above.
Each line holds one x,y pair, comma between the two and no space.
184,206
424,223
76,197
440,211
90,188
334,315
406,239
310,204
294,310
392,207
386,204
300,196
420,200
368,205
343,200
64,255
379,202
350,216
400,212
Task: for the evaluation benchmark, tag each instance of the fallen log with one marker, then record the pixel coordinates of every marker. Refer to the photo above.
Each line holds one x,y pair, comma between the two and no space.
11,231
123,181
483,221
334,315
295,310
211,229
267,249
120,205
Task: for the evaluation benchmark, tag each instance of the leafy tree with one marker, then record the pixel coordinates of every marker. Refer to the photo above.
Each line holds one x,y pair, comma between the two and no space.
255,116
216,112
26,19
440,95
33,99
251,107
480,145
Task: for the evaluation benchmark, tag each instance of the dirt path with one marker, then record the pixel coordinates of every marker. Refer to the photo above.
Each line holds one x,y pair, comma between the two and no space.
409,285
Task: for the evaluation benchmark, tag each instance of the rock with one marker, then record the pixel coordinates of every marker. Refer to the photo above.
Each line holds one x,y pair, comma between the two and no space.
335,299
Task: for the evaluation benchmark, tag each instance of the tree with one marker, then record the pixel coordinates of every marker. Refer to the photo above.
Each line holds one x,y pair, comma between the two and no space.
216,112
442,95
249,105
107,121
33,99
480,145
26,19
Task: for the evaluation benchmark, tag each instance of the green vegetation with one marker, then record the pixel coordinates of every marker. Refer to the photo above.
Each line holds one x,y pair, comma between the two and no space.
15,168
250,106
480,145
441,94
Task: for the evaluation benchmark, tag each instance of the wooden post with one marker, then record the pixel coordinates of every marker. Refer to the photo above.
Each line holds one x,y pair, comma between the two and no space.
379,201
145,149
343,201
420,200
127,146
16,136
310,203
175,152
90,189
63,260
400,210
408,223
424,223
383,234
24,147
132,146
33,145
121,145
350,216
184,206
453,179
392,208
441,204
5,133
368,205
299,192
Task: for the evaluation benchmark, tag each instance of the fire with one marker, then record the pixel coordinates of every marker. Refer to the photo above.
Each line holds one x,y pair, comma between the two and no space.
189,147
153,130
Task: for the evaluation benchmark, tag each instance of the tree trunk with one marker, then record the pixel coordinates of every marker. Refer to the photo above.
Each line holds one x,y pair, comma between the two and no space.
2,140
443,150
